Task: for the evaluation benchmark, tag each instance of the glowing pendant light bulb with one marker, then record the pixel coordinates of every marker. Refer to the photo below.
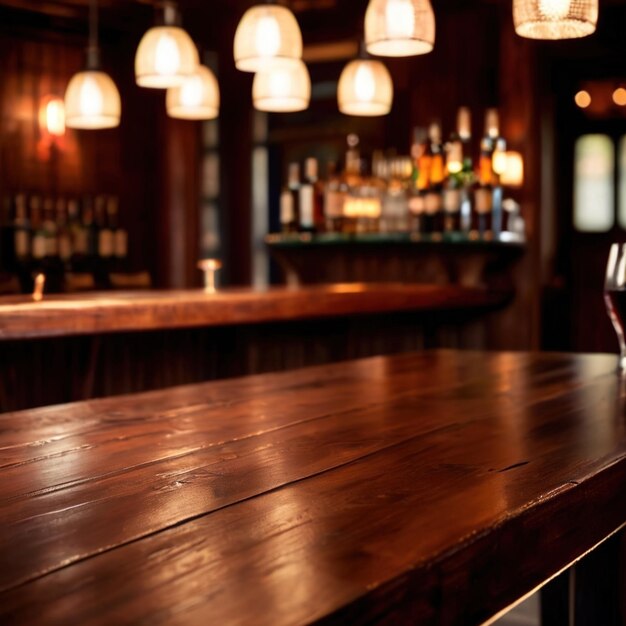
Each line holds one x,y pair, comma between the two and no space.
198,98
365,88
555,19
267,36
399,28
92,100
285,88
166,55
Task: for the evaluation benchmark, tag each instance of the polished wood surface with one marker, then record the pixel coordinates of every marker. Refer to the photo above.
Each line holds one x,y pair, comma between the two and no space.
431,488
21,318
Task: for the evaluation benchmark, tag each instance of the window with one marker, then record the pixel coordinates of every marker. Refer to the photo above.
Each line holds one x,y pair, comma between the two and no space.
594,193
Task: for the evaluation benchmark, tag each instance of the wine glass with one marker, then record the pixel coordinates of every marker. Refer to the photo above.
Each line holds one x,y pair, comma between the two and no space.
615,296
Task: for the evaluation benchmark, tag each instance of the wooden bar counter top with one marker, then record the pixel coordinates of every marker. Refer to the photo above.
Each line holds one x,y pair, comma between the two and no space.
66,315
430,488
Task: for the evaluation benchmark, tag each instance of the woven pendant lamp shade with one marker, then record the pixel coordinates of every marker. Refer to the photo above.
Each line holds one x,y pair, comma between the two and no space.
399,28
198,98
365,89
282,89
92,101
555,19
267,36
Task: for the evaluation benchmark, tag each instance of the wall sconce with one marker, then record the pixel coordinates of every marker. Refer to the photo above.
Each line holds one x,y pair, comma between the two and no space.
52,116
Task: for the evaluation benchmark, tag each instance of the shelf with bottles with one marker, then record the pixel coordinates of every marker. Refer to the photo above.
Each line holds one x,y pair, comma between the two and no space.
57,236
433,195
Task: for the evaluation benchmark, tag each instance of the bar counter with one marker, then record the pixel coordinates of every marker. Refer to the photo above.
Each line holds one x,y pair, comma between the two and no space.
76,347
433,489
67,315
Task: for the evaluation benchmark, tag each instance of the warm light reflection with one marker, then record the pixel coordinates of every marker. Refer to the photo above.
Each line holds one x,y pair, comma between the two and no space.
582,99
362,208
513,174
619,96
554,9
499,161
400,19
267,36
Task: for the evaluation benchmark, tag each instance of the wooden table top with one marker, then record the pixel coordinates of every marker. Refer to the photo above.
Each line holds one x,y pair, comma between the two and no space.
21,318
432,488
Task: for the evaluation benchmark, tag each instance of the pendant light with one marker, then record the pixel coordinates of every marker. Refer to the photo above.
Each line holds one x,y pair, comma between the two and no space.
267,35
399,28
365,88
555,19
92,100
198,98
166,55
285,88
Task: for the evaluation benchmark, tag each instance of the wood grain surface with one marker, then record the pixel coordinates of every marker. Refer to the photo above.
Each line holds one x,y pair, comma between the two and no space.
431,488
21,318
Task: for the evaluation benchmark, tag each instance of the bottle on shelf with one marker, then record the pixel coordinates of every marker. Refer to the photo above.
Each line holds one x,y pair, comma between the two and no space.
64,235
311,198
50,231
421,158
433,203
78,236
288,222
334,197
293,184
464,130
38,240
105,234
395,173
120,235
21,232
483,187
91,231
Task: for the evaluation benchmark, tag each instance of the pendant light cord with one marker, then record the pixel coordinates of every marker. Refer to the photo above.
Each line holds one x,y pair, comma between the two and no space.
93,23
93,51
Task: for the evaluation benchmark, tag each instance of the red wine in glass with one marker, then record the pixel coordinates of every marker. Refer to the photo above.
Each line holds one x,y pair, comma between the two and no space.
615,295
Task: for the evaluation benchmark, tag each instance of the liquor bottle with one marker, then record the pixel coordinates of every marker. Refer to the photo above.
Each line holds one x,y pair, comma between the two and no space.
105,234
433,204
311,177
64,235
293,184
420,155
38,241
21,231
498,166
334,197
50,231
483,192
91,230
78,235
350,181
307,198
120,235
287,212
464,131
8,259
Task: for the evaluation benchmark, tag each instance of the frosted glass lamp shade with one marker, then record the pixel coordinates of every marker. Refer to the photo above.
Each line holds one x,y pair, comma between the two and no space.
166,56
92,101
267,36
282,89
365,89
399,28
555,19
198,98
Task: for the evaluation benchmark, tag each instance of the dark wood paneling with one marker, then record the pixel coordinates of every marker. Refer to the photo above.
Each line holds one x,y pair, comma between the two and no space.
431,489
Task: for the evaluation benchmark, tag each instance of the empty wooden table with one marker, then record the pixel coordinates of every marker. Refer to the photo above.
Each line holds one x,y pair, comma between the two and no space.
432,488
